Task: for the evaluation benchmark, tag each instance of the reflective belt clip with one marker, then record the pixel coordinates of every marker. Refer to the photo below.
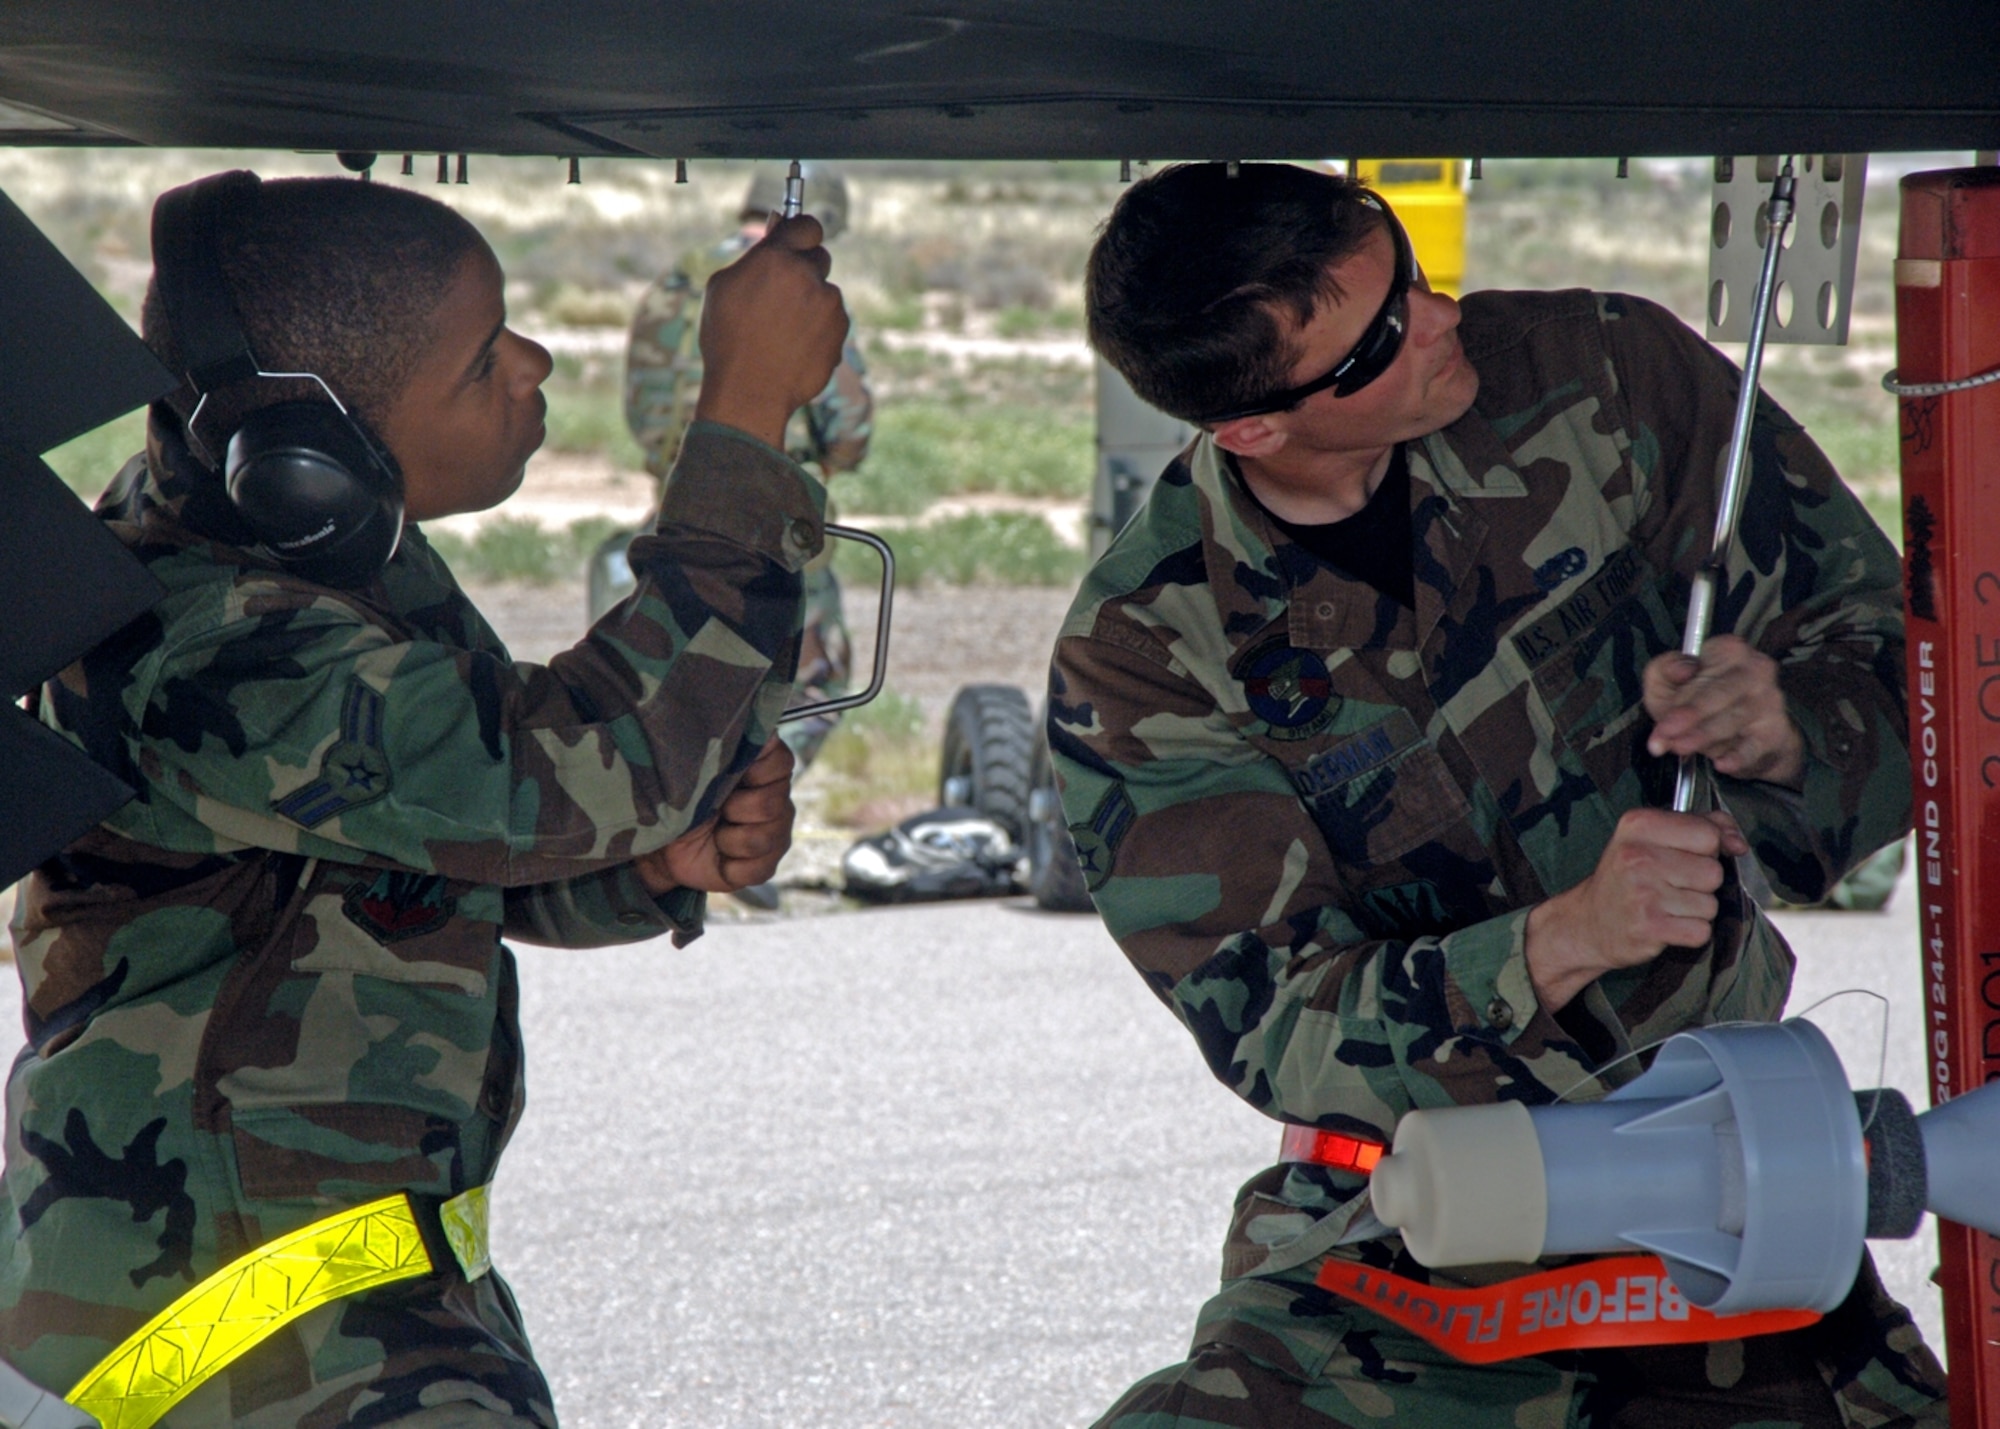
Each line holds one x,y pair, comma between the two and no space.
464,1218
1355,1154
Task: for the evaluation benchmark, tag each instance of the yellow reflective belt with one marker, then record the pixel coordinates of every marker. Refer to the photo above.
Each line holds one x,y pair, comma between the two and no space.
247,1300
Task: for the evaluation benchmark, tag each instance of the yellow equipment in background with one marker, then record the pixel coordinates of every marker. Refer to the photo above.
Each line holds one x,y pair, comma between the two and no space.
1429,197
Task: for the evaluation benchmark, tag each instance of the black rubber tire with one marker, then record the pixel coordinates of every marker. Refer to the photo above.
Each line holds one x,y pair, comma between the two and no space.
1053,876
989,742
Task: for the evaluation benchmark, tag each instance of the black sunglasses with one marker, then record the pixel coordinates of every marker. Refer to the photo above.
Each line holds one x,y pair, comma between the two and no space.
1371,356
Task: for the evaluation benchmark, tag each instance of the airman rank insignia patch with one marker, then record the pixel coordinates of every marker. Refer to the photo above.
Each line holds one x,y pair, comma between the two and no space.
355,770
1097,839
1290,690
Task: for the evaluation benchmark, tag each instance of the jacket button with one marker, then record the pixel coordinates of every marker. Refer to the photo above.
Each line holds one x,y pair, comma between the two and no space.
1324,610
1500,1014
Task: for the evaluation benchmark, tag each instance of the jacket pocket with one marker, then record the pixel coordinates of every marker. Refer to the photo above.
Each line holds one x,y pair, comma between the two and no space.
365,1040
1588,656
1379,793
403,927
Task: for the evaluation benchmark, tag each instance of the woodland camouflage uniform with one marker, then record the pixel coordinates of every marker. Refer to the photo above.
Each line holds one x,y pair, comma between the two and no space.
1316,822
273,984
662,384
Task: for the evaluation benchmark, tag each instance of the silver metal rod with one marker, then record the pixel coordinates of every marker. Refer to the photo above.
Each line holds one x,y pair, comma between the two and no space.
795,192
1736,467
888,594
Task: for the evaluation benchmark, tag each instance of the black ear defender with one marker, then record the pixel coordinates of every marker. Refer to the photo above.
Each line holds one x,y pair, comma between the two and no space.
323,497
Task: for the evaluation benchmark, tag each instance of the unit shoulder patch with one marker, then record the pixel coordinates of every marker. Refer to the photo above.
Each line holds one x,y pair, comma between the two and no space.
397,906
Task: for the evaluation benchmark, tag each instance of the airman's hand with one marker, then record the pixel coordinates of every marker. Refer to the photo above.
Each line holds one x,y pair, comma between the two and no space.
1726,707
742,844
1653,888
771,332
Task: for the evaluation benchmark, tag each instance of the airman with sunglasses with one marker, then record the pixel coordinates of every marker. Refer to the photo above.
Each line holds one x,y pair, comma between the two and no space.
1366,726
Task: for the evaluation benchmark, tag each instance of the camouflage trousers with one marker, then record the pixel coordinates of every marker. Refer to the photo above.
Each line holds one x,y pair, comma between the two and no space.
432,1354
1271,1354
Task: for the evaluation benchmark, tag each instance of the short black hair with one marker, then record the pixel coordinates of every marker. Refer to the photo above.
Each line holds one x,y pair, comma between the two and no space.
331,276
1184,282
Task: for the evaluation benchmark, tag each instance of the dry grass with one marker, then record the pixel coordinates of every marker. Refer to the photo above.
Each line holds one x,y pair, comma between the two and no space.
877,766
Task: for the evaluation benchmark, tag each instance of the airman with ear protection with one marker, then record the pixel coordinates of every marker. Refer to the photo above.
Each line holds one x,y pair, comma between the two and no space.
322,495
271,992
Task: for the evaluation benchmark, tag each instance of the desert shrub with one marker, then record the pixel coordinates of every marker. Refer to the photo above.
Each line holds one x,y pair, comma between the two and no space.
520,548
923,450
588,415
572,306
878,752
978,548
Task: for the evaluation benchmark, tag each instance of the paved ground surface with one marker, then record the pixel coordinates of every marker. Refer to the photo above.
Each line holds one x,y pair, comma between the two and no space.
926,1167
949,1166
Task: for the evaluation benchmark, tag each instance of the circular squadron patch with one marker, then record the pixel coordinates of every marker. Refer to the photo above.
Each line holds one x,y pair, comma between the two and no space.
1289,689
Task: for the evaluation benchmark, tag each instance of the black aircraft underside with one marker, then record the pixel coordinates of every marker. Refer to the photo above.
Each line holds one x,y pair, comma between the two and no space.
1004,78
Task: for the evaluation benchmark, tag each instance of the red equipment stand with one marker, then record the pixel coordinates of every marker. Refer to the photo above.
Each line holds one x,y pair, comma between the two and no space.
1948,328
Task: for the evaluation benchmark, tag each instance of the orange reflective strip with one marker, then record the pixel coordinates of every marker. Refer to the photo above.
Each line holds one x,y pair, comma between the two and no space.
1622,1300
1330,1148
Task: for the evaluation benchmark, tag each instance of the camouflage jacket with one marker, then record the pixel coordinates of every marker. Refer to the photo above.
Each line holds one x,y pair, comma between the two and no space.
1315,820
273,983
663,376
